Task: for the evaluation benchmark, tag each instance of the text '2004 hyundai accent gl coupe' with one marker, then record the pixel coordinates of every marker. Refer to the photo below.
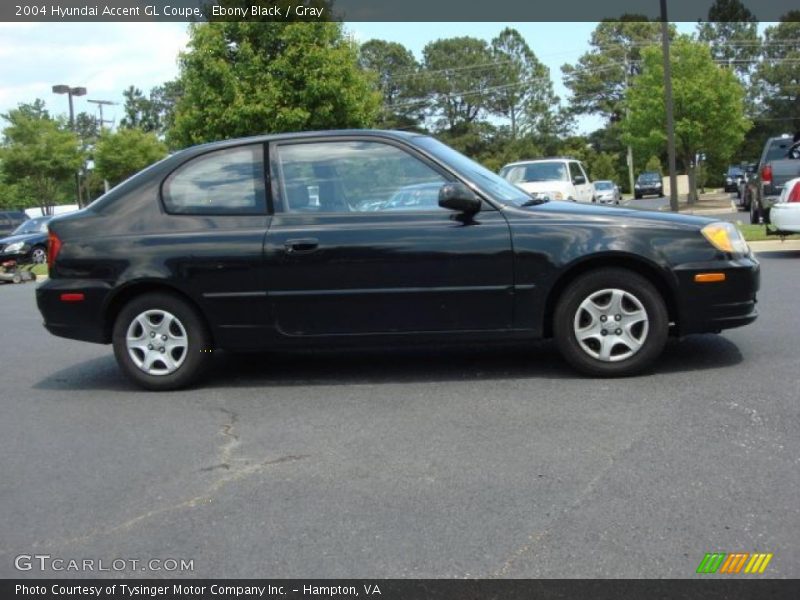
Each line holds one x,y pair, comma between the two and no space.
356,237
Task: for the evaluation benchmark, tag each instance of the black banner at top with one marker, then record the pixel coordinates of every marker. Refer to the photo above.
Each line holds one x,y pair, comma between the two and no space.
375,10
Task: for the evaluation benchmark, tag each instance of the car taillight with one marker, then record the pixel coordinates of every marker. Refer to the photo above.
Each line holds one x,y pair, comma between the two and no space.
794,195
53,248
766,174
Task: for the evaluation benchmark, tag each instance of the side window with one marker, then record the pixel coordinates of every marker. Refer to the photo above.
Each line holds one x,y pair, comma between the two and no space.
225,182
575,171
355,176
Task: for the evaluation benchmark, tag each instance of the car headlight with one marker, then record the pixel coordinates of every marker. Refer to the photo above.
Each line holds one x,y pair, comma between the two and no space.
728,179
15,247
637,185
725,237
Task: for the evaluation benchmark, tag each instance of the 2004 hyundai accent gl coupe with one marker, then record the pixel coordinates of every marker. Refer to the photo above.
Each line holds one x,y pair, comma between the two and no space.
302,240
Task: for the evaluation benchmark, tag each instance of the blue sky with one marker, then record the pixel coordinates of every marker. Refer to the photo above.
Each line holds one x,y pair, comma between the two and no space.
108,57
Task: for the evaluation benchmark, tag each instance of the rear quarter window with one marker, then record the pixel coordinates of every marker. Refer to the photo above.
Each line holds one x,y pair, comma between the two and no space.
223,182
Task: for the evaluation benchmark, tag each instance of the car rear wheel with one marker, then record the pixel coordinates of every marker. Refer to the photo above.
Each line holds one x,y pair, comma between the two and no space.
754,213
161,342
611,323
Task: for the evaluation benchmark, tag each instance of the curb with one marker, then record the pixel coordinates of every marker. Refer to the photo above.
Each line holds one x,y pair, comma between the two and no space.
767,246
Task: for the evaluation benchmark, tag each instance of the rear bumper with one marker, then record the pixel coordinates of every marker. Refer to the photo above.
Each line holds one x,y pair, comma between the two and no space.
785,216
712,307
77,320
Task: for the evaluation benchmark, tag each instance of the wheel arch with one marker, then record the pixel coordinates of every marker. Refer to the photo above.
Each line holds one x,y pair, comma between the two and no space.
634,263
132,290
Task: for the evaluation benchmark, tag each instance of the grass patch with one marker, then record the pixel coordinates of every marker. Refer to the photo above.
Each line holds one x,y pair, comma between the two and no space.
758,233
39,269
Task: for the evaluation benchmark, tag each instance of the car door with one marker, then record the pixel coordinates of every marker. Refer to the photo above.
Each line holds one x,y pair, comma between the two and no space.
583,187
359,245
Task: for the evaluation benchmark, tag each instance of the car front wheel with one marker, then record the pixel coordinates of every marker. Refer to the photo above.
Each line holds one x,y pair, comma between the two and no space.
39,255
611,323
161,342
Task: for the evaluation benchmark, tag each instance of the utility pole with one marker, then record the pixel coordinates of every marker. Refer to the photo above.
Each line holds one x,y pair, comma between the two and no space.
627,116
673,178
100,105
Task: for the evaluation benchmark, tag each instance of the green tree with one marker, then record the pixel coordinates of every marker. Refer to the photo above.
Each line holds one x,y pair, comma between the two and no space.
460,78
732,33
120,154
709,108
653,164
246,78
398,75
603,165
778,75
599,79
39,155
524,92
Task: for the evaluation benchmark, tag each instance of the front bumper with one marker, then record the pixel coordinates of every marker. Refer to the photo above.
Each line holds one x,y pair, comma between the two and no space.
650,191
712,307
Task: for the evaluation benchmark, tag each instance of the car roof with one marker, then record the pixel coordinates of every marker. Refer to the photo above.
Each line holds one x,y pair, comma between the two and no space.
539,160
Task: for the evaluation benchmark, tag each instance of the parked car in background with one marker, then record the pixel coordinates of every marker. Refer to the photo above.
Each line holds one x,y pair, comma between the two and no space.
648,183
10,220
785,213
551,178
204,251
606,192
27,243
733,177
779,162
742,197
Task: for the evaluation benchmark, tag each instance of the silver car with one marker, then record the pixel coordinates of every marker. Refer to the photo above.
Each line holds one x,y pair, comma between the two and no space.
606,192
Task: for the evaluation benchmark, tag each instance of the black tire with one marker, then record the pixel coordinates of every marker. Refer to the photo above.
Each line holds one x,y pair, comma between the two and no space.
651,333
191,331
755,217
637,196
16,278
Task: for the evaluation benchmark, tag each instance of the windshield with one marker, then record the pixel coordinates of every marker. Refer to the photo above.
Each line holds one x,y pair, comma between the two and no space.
778,149
33,226
648,177
603,185
497,187
539,171
735,172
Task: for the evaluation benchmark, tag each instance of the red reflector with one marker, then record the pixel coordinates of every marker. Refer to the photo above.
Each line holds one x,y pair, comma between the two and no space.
766,174
53,248
78,297
794,195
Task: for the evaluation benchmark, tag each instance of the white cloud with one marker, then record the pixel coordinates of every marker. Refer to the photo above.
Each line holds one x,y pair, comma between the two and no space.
103,57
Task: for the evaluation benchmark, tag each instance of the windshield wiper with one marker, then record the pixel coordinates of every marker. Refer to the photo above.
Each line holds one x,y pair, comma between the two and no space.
535,202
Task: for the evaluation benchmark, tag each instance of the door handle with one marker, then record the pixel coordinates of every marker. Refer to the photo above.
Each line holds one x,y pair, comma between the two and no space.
301,246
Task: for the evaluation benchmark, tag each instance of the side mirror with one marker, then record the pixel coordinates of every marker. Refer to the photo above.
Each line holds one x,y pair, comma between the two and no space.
579,180
457,196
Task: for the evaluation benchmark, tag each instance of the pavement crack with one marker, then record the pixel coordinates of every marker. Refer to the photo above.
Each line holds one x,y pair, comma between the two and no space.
231,468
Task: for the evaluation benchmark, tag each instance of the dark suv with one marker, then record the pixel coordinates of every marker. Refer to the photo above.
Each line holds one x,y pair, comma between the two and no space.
10,220
648,183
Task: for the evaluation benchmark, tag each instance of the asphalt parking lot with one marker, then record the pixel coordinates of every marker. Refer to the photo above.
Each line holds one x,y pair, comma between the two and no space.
485,462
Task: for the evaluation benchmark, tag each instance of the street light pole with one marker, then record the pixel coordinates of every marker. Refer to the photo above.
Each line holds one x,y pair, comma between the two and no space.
70,92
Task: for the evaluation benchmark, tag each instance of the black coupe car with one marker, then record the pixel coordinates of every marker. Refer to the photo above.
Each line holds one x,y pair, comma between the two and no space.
27,243
291,241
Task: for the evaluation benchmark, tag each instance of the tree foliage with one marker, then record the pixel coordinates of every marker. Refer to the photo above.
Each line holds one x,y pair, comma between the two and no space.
778,75
120,154
732,33
599,79
39,155
709,111
246,78
397,73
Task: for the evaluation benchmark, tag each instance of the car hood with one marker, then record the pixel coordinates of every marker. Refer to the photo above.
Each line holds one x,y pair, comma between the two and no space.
544,186
619,216
24,237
